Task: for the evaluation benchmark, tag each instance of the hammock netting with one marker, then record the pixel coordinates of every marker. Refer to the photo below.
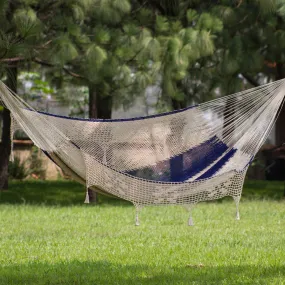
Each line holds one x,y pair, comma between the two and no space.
183,157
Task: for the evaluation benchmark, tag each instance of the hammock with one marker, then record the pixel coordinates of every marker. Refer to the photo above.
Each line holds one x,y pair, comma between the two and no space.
182,157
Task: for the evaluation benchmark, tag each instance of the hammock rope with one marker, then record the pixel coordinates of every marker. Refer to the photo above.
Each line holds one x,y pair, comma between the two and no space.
181,158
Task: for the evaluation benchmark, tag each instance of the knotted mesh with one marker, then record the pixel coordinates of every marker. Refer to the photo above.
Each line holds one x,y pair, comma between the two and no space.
182,157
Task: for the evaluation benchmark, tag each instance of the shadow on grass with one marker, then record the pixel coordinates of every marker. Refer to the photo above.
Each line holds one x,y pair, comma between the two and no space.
65,193
258,189
86,273
61,193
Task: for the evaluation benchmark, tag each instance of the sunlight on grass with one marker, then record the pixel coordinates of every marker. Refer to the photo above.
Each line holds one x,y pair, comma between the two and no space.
85,244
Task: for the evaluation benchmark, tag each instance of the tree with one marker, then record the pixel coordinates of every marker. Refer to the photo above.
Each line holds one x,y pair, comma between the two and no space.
183,34
18,33
251,48
118,48
125,46
28,27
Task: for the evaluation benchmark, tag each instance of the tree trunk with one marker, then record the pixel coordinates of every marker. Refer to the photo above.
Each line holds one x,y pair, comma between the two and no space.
93,196
104,107
99,107
92,102
180,104
5,146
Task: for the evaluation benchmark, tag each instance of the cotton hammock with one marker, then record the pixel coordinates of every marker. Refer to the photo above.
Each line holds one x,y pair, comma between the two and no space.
181,158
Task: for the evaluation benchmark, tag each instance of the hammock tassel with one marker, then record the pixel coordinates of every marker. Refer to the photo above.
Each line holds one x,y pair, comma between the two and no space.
87,200
190,219
12,130
237,215
137,219
11,157
138,208
237,199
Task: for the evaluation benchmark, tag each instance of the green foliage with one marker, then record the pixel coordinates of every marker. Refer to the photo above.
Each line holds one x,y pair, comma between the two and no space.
18,169
29,2
33,87
76,97
143,79
268,6
64,50
112,11
33,167
191,15
78,12
85,4
42,87
101,35
95,56
3,7
123,46
35,162
95,39
226,13
162,25
24,19
143,16
123,6
251,43
207,22
182,45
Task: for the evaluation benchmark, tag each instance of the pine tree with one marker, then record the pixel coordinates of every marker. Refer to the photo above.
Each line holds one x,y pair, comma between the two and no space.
18,33
125,46
29,31
183,33
118,48
251,47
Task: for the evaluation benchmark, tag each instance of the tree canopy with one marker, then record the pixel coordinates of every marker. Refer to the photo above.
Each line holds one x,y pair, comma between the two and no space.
191,50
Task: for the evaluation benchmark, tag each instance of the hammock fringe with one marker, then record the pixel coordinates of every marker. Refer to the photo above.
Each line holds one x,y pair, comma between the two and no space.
87,200
182,157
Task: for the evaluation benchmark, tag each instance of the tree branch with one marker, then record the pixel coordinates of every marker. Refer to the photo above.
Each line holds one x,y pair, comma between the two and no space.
73,74
239,3
13,59
48,64
45,44
134,56
42,62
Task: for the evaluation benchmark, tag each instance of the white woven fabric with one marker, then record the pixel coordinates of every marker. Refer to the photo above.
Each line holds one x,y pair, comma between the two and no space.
184,157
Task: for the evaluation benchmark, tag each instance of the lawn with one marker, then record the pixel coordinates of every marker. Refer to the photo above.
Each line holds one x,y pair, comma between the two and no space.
47,236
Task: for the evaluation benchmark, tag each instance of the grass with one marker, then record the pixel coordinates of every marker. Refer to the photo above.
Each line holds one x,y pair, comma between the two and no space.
47,236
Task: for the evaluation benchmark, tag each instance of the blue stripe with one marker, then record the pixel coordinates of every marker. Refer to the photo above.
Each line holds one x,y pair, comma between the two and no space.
137,178
250,162
217,166
117,120
176,168
72,142
48,155
186,165
202,156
